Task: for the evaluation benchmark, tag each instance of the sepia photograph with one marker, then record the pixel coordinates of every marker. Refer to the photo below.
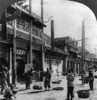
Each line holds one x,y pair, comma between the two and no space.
48,50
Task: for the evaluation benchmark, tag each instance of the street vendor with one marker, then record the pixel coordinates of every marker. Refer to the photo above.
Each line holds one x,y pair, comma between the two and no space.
91,79
47,79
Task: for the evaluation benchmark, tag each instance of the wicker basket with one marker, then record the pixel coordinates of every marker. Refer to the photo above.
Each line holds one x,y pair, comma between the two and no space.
37,87
56,82
83,93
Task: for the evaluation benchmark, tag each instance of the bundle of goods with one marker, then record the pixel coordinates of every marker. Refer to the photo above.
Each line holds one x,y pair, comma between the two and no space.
58,88
56,82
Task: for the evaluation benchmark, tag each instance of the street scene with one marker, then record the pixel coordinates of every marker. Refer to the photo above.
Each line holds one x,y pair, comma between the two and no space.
48,50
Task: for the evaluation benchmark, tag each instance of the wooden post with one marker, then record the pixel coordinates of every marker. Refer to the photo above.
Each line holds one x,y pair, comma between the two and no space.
4,29
31,48
14,76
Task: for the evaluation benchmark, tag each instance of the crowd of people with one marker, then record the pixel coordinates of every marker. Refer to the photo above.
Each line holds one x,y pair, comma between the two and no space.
5,88
70,81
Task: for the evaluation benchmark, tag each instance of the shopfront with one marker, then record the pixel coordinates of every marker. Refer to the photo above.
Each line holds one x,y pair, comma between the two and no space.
20,64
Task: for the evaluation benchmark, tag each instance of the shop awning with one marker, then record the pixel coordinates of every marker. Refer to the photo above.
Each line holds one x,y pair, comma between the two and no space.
55,53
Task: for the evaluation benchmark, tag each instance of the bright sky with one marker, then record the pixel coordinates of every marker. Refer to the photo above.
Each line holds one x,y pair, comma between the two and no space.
68,17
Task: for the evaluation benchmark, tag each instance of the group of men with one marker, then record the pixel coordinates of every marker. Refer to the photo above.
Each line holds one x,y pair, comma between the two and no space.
3,78
47,78
70,83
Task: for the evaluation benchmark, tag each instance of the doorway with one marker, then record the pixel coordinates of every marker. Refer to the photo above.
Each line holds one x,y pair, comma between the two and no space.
20,65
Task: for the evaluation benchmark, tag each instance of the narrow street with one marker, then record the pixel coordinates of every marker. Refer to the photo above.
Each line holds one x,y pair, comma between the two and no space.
45,39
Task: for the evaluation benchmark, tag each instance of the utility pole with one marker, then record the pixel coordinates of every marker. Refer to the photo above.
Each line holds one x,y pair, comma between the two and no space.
31,48
42,18
83,51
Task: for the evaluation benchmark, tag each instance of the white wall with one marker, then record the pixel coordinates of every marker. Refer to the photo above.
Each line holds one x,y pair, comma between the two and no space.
55,67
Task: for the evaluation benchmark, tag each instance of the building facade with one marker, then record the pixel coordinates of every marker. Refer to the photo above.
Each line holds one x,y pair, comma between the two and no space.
53,57
20,27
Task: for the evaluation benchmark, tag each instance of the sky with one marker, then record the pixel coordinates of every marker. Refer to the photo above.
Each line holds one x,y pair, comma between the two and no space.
68,17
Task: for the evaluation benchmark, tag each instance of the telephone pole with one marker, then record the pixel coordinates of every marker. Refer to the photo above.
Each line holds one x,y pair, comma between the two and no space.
42,18
83,51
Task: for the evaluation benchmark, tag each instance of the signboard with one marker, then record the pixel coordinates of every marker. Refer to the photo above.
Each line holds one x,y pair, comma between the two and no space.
27,67
20,52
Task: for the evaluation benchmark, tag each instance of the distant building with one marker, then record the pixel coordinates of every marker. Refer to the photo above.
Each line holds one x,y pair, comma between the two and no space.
70,46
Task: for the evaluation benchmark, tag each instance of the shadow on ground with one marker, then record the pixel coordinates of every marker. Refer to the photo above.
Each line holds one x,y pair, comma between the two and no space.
49,98
21,90
33,92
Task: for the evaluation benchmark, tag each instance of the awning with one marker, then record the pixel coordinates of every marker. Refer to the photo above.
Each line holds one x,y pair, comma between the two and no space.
56,53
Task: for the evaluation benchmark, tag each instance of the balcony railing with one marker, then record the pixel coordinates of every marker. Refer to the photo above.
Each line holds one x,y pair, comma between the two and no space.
37,32
24,26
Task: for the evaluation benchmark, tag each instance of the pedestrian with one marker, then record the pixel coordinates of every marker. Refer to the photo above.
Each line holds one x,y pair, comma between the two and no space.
47,79
27,77
70,85
4,84
91,79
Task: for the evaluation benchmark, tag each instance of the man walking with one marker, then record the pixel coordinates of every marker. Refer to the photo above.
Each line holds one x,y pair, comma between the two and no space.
70,85
47,79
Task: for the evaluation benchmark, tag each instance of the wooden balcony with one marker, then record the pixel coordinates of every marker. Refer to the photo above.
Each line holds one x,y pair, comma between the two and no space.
24,27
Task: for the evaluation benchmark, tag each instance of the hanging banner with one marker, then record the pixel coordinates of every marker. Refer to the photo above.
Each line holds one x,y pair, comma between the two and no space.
27,67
